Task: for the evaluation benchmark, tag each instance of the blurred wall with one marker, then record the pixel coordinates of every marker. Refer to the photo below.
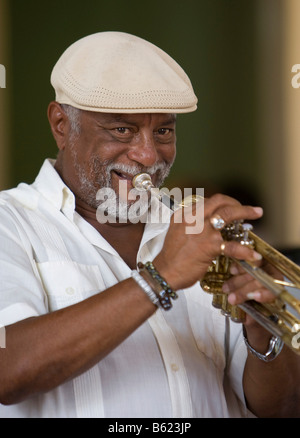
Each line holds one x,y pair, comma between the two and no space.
233,51
5,146
278,48
291,121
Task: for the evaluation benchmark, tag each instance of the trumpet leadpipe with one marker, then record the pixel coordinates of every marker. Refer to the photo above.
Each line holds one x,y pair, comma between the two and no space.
143,182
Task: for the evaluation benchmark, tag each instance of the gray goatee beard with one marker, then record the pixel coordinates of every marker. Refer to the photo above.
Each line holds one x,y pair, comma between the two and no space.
100,177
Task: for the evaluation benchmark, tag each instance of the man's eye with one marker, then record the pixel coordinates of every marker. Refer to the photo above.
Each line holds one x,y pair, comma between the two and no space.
164,131
122,130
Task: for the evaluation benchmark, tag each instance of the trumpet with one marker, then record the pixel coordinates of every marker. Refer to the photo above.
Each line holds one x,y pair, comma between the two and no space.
281,317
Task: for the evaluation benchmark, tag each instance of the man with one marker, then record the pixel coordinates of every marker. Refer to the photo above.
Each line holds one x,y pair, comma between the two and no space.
88,334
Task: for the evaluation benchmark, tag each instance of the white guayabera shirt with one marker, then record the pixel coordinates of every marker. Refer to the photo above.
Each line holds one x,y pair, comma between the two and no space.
173,365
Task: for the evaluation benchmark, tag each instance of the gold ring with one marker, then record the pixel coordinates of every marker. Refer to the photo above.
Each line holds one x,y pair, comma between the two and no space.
222,248
217,222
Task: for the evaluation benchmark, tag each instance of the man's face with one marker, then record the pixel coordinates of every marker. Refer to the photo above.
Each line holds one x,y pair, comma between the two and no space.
114,147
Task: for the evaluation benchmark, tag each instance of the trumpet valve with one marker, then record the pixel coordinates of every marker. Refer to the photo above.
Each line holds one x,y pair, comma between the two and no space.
245,239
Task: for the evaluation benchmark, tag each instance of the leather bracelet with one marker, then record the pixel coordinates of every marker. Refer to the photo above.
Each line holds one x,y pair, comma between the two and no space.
274,349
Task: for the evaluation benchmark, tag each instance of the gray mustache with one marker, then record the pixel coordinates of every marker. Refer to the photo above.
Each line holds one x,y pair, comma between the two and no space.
133,170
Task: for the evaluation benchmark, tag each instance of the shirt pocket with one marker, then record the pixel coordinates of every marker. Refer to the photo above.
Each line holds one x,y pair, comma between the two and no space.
208,325
68,282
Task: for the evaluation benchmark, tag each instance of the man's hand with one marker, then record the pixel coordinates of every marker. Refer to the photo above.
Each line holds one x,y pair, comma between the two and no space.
185,258
243,286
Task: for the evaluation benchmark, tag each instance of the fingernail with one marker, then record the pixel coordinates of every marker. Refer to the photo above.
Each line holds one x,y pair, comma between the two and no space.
234,270
258,210
254,295
257,256
225,288
232,299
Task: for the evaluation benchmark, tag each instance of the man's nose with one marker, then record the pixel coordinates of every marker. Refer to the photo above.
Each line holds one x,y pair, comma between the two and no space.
144,152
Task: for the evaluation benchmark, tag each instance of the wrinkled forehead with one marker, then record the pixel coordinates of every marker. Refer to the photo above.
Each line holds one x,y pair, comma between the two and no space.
130,119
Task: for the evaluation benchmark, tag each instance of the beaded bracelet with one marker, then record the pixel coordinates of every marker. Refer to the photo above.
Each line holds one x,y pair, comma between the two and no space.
160,286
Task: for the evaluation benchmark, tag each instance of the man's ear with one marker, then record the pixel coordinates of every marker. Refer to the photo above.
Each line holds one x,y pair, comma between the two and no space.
59,124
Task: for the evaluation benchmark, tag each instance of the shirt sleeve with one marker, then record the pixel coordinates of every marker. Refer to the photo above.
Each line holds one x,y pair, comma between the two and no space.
21,291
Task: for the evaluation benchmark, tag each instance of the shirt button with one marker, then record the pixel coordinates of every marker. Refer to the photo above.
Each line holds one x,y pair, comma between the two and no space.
70,291
174,367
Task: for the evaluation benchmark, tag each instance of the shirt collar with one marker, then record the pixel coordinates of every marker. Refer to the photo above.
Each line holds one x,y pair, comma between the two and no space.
51,186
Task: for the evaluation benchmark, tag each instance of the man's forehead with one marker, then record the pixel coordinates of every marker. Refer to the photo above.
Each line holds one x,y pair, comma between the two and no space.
132,118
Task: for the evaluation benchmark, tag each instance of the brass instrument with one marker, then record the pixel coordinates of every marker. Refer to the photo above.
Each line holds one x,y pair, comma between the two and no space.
281,317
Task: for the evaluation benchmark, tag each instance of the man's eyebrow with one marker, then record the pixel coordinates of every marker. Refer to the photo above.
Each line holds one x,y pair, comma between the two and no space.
113,119
118,119
171,119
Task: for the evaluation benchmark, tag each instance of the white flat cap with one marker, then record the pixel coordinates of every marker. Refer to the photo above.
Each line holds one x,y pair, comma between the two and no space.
115,72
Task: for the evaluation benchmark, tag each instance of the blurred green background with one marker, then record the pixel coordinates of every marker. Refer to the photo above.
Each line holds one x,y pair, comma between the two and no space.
213,40
244,138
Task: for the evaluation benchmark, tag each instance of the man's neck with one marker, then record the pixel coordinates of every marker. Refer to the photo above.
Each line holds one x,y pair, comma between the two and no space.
125,238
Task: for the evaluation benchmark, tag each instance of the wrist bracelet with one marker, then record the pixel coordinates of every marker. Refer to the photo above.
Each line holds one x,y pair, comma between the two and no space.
145,286
162,289
274,349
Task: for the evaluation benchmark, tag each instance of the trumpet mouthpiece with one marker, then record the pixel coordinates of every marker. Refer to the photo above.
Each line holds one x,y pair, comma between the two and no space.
142,181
